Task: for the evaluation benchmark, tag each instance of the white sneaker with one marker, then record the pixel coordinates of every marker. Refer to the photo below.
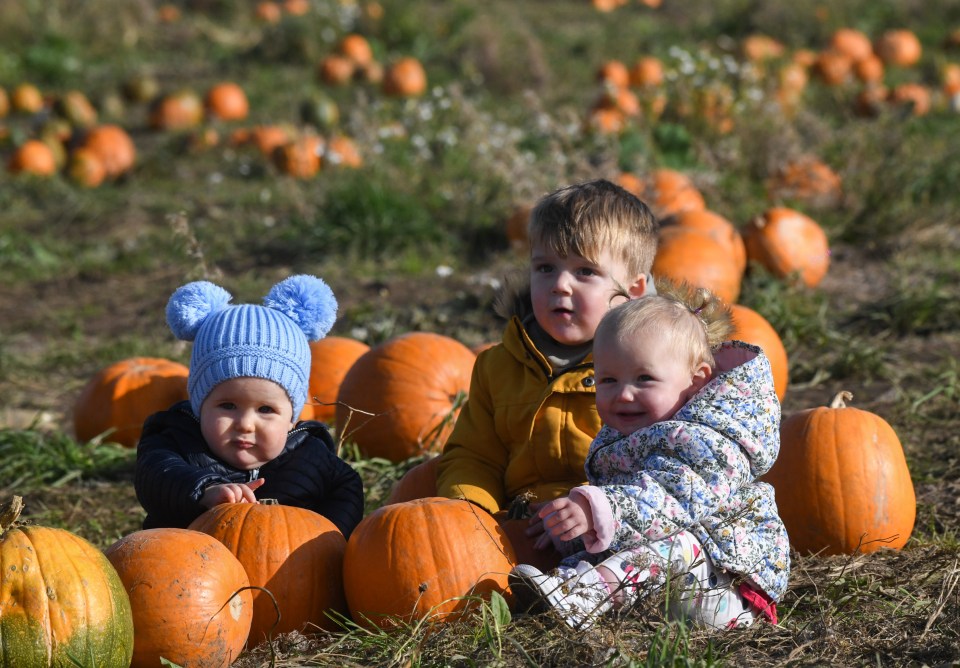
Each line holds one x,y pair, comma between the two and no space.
579,600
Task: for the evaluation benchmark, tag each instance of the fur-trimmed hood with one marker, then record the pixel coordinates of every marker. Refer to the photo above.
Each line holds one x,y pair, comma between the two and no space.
514,297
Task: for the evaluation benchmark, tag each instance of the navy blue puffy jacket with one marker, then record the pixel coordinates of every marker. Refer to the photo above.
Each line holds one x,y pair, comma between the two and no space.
174,466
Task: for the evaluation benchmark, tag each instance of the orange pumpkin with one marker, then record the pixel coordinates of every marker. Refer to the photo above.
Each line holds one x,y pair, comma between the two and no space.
33,157
869,70
227,101
26,98
842,481
424,558
189,596
833,67
294,553
404,395
915,96
806,178
331,358
613,72
357,49
899,48
343,151
685,254
4,102
669,192
717,228
113,146
788,244
405,78
60,598
122,395
86,168
178,110
646,72
336,69
419,482
268,12
852,42
750,326
759,47
299,157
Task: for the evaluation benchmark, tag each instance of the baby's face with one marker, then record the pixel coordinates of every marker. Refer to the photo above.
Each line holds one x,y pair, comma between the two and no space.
642,380
571,294
245,421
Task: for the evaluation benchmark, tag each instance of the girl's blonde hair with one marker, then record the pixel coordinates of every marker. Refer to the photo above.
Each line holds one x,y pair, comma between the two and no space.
695,321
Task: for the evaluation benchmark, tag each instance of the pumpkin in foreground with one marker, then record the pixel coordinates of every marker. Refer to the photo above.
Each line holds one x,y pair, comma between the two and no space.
425,558
189,595
294,553
60,599
841,480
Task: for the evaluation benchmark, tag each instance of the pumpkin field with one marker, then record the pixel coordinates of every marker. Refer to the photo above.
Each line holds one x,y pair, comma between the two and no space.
801,157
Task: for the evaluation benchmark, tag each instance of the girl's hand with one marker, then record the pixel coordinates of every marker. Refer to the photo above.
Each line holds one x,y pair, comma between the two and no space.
230,493
566,518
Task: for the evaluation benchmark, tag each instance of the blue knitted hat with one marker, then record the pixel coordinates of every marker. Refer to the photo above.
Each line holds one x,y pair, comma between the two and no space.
246,340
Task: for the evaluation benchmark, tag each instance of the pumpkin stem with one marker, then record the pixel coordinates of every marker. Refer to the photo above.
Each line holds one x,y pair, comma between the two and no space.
9,512
268,502
840,400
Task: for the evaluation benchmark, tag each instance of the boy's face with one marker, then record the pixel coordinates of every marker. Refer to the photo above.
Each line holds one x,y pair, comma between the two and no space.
245,421
570,294
642,380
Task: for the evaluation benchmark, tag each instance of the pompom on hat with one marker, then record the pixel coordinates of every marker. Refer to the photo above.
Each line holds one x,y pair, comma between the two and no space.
246,340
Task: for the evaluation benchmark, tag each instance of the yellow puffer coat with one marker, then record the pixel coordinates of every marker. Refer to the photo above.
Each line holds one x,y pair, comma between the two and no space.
521,429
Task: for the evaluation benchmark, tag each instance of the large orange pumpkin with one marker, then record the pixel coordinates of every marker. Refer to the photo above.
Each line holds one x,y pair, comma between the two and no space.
788,244
686,254
190,597
60,599
124,394
294,553
753,328
401,398
842,482
417,559
330,359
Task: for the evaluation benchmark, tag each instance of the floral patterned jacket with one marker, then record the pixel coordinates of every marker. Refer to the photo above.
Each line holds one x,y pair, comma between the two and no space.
698,471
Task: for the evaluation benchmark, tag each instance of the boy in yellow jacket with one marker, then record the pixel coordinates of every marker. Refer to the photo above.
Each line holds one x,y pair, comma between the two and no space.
531,413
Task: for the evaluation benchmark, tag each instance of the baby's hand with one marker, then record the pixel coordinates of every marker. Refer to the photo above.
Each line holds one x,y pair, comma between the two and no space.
230,493
566,518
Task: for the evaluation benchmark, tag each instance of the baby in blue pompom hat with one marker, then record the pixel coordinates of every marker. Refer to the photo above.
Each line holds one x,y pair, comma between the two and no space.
237,437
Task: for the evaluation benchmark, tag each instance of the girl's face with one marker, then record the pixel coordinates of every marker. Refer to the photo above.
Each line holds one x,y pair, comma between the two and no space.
570,294
245,421
642,380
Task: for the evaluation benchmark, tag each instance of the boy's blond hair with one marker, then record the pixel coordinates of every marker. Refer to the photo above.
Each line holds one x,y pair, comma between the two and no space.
693,319
588,218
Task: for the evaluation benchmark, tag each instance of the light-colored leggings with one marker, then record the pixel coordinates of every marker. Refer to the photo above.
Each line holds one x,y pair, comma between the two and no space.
696,590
